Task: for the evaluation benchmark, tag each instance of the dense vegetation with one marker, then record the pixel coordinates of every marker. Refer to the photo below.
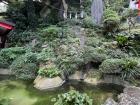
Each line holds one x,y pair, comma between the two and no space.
45,44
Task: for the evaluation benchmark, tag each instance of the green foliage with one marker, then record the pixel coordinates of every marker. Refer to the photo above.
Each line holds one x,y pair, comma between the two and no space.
69,58
94,54
87,23
73,98
70,22
5,101
16,13
93,41
7,55
116,53
25,66
115,5
46,54
110,15
90,32
111,20
130,69
20,38
49,72
111,66
3,63
122,40
127,67
50,33
87,5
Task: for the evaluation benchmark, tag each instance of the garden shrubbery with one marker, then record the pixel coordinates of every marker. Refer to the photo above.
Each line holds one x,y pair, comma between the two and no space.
49,72
97,55
127,68
21,38
25,66
50,33
88,22
7,55
111,20
73,98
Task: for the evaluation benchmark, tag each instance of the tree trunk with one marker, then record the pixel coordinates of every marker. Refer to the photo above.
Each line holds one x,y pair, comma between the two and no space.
65,12
97,11
45,11
31,16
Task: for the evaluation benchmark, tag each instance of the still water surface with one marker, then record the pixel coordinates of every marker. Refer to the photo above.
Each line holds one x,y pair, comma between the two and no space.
23,92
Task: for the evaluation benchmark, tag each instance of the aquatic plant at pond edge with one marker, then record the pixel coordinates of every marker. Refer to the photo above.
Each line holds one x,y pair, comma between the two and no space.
73,97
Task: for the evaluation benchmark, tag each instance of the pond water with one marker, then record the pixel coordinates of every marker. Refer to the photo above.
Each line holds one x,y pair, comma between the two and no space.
23,92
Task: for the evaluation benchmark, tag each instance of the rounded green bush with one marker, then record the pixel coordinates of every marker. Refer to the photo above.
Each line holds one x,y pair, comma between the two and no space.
25,66
73,98
127,68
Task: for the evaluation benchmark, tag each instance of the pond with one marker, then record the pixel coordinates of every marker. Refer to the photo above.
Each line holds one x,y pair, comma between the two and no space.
23,92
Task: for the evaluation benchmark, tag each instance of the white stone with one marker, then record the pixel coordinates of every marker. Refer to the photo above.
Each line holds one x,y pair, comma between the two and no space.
44,83
3,7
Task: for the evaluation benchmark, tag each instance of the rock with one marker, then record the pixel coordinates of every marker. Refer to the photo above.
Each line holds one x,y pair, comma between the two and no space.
93,81
44,83
78,75
110,101
114,79
130,96
5,72
3,6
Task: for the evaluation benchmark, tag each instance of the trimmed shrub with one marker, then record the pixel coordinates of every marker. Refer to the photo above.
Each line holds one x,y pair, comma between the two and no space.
69,58
111,66
116,53
93,41
88,22
25,66
111,21
3,63
46,54
7,55
20,38
127,68
50,33
92,54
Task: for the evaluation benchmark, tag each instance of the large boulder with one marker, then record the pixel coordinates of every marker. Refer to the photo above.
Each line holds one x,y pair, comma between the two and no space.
44,83
130,96
78,75
5,72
